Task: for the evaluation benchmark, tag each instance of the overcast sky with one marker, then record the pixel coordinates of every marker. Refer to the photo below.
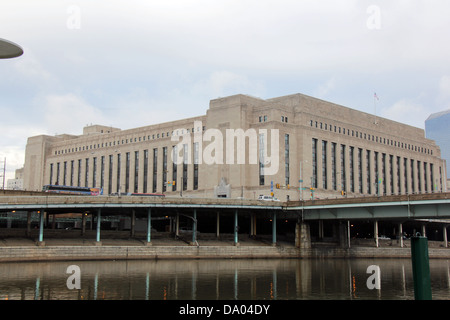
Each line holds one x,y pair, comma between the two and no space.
134,63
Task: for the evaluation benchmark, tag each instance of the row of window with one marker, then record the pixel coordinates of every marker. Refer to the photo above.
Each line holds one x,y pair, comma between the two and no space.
370,172
93,172
126,141
264,119
369,137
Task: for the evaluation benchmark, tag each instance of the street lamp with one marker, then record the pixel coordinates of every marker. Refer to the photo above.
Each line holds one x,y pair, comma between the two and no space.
9,49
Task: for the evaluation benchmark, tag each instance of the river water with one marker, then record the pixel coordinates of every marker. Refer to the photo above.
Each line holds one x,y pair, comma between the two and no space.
252,279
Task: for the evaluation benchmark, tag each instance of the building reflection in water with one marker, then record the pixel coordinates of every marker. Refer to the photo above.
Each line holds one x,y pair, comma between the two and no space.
219,279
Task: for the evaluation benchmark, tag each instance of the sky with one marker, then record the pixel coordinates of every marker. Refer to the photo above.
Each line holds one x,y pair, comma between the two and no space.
134,63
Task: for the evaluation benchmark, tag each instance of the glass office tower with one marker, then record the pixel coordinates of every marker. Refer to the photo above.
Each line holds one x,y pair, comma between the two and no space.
437,128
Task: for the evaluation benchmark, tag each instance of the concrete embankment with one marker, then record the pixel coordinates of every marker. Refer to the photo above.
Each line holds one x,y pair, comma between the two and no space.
142,251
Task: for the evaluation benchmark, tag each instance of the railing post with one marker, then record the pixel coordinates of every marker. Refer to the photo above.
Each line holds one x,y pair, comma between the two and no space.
421,268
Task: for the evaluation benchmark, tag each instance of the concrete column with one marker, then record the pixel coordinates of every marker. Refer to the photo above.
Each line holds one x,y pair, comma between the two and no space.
149,226
177,225
344,234
302,235
28,224
236,229
375,232
424,231
218,225
41,228
321,232
83,223
444,233
400,233
274,229
99,222
132,223
194,228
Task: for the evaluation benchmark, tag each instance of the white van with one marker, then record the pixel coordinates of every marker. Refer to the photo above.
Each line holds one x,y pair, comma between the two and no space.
267,198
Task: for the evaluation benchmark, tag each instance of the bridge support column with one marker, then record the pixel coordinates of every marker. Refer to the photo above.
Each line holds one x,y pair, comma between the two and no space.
375,232
344,234
29,224
274,229
132,223
149,226
218,225
424,231
99,223
302,235
236,228
444,234
194,228
41,229
400,234
177,225
83,223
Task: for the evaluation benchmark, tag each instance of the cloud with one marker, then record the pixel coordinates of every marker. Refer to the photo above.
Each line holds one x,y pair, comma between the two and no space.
68,113
224,83
408,112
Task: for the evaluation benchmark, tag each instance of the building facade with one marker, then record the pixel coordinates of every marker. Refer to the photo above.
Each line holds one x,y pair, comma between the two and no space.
437,128
296,147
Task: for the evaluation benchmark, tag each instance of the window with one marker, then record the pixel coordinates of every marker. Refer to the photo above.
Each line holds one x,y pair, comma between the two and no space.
324,165
286,159
174,168
164,172
314,163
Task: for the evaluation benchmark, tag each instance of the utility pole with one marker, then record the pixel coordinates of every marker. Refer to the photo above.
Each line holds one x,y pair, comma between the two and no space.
3,173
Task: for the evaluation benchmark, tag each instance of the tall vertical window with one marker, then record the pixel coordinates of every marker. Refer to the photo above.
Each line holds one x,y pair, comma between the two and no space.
360,176
314,164
185,166
79,173
164,173
72,171
405,174
413,187
383,172
261,159
343,171
155,169
368,173
119,160
286,159
136,171
94,174
110,173
351,169
102,172
174,168
425,176
57,173
324,165
196,160
391,173
127,172
398,176
64,173
419,177
86,174
333,166
433,186
51,173
145,182
377,174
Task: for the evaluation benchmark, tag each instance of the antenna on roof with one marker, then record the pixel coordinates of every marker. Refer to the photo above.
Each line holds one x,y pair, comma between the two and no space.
375,98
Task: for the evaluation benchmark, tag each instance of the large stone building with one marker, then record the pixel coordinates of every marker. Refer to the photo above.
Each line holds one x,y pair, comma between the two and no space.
246,147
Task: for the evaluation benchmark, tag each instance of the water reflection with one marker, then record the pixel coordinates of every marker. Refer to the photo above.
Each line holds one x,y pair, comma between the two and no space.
219,279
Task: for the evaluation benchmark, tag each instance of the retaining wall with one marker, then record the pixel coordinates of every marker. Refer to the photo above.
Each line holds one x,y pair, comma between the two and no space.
73,253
